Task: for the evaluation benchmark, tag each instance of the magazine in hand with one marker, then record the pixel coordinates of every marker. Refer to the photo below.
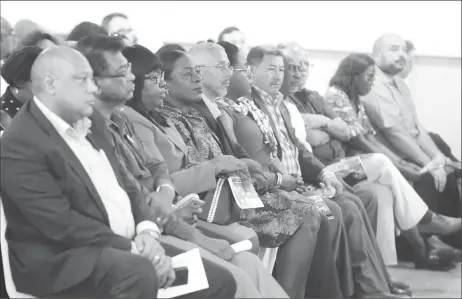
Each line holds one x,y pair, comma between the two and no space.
321,205
245,199
351,170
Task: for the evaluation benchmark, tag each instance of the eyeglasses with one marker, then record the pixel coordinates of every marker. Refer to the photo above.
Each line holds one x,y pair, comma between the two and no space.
247,72
226,68
294,68
123,74
155,78
122,32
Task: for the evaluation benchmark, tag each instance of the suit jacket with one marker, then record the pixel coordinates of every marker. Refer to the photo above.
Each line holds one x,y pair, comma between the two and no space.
57,223
165,143
228,146
310,166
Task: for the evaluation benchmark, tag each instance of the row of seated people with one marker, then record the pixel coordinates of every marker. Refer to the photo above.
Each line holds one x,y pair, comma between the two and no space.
224,112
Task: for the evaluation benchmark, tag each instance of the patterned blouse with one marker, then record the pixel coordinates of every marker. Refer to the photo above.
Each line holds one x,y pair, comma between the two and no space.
202,143
358,122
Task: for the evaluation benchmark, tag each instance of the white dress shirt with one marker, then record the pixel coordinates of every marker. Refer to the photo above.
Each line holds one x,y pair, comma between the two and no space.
98,168
212,106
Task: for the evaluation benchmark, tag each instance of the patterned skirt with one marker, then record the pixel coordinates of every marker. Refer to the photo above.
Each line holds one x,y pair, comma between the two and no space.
280,218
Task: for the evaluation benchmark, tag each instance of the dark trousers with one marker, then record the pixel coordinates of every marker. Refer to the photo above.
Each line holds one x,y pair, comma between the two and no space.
121,274
323,280
117,274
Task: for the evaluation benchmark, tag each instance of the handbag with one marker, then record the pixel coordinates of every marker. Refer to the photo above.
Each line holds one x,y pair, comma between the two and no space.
220,206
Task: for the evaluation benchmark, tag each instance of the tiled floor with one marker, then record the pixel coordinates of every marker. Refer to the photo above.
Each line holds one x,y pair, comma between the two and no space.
429,284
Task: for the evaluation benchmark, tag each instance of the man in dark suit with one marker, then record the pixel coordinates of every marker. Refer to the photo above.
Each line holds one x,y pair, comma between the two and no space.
72,229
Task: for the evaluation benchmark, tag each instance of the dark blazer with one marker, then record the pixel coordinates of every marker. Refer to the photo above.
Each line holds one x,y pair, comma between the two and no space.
57,223
310,166
228,147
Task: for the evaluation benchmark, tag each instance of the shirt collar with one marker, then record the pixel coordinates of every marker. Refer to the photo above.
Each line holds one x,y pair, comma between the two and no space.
212,106
380,75
268,98
79,129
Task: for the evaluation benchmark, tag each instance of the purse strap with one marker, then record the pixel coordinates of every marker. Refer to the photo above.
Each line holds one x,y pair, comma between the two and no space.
216,197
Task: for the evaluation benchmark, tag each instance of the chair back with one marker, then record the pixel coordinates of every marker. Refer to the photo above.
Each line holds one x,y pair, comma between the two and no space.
9,283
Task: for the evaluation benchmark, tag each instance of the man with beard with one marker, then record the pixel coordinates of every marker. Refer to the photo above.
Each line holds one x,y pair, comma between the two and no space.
392,112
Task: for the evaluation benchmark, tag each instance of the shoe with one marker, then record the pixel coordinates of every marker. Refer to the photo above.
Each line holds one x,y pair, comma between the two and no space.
383,295
400,292
395,290
435,261
441,225
400,284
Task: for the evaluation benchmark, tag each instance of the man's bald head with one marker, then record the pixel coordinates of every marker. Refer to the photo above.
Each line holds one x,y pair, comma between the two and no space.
206,53
56,62
389,53
214,67
62,79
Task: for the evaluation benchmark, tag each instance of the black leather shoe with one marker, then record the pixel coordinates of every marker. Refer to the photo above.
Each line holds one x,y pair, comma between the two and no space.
435,261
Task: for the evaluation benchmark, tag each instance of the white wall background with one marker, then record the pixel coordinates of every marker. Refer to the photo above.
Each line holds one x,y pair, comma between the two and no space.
330,29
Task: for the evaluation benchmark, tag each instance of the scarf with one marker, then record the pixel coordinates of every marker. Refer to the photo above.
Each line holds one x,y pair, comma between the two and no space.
245,107
201,141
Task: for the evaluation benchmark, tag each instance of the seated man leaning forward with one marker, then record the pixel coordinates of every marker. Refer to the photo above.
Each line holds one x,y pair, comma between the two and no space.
144,173
72,229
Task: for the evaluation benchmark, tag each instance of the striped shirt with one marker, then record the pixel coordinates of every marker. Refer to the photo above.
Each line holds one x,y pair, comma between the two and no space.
289,150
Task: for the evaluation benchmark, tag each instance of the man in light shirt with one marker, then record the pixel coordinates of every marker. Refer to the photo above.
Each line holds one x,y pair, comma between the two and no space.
72,229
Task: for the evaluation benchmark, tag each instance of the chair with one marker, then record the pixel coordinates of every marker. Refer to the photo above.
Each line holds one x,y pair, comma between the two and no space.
9,283
268,257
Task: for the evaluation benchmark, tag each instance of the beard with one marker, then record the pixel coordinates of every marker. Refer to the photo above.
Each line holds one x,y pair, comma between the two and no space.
391,69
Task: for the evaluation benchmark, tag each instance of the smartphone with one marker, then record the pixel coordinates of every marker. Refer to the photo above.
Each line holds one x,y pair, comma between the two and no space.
190,200
181,276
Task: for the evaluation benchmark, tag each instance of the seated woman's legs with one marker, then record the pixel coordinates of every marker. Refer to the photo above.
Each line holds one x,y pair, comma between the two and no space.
294,257
369,274
341,249
252,278
323,280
